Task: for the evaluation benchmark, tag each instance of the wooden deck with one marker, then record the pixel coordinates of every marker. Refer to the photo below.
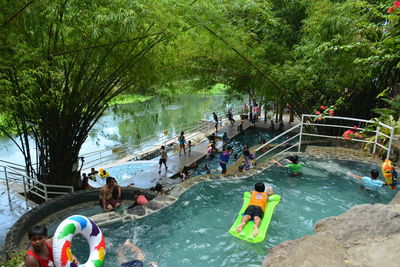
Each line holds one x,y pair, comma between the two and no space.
175,162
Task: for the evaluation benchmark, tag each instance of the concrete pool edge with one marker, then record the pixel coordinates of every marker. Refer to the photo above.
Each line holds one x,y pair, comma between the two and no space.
17,234
43,212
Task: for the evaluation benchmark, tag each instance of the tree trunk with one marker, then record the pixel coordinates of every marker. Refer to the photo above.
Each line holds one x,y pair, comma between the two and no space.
291,119
265,111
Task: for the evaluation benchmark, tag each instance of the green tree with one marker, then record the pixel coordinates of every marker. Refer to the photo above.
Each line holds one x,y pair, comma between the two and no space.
322,70
61,63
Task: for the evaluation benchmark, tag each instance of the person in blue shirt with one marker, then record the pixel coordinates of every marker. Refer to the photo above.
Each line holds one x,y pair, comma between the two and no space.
224,158
371,183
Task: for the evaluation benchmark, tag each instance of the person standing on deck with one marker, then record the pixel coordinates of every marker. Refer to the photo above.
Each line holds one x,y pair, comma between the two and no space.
240,126
225,140
163,159
182,141
230,117
190,146
256,112
224,158
216,121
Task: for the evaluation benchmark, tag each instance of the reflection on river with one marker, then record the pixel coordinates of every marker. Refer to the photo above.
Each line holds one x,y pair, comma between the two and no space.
129,123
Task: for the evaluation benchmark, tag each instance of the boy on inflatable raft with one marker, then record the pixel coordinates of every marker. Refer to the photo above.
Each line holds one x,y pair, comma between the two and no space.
256,208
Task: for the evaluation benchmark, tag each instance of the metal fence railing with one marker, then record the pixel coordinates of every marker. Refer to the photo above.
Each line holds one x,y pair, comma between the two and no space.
30,185
308,127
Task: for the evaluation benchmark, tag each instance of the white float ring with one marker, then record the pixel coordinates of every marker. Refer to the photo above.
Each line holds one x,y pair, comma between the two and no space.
73,225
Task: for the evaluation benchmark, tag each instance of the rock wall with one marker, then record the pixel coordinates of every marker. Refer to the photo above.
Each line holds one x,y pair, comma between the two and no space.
365,235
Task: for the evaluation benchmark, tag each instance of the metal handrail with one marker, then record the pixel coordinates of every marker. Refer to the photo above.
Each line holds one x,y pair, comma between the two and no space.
277,137
377,131
31,185
302,133
8,163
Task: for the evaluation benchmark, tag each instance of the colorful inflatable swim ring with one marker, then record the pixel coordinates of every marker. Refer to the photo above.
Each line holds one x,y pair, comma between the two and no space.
389,173
70,227
103,173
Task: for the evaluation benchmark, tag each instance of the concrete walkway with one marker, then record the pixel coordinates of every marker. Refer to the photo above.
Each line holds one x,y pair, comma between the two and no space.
176,163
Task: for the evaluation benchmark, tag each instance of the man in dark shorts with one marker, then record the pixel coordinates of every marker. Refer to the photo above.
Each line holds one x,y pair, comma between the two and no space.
216,121
163,159
230,117
256,208
110,194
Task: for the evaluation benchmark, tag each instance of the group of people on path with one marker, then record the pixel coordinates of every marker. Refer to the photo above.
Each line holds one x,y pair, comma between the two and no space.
280,128
229,115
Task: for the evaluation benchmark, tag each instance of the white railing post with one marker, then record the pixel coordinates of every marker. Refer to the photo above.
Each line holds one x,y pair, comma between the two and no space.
26,196
8,188
301,131
45,192
390,143
378,128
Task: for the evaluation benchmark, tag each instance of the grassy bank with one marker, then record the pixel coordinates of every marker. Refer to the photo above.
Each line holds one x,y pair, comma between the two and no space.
126,99
217,89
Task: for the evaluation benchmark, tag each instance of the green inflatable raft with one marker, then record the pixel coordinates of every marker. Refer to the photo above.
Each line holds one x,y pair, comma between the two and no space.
247,232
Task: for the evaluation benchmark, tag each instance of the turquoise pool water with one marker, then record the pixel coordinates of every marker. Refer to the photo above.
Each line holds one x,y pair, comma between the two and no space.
250,137
194,230
127,171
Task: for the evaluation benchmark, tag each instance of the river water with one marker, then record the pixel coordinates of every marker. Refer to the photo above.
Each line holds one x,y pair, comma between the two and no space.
128,123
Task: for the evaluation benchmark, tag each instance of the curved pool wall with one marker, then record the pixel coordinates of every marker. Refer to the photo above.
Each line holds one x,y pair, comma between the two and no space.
15,237
50,210
58,209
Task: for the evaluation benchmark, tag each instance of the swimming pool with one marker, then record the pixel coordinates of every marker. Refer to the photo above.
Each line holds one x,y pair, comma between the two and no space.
250,137
126,172
194,230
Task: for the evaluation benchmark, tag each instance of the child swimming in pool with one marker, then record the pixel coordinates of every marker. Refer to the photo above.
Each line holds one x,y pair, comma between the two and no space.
241,166
293,165
256,208
139,259
371,183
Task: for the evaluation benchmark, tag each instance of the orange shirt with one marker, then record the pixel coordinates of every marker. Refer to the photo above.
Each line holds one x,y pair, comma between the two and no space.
258,199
